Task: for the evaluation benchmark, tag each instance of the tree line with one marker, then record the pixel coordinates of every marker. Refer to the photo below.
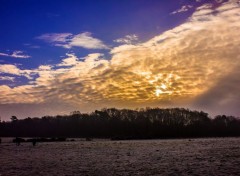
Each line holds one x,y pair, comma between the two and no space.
144,123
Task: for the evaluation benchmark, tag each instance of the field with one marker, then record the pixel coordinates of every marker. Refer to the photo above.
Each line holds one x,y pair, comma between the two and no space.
213,156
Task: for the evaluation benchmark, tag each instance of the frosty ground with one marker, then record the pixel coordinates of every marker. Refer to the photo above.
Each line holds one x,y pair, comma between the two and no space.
212,156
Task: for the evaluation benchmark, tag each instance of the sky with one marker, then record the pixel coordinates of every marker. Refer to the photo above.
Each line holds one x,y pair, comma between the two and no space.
59,56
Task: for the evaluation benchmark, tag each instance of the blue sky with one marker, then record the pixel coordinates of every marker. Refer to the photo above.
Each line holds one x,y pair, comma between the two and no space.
25,20
40,39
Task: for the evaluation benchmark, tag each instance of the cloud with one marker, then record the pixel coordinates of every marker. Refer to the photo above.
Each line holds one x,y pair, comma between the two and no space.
128,39
16,54
45,67
55,37
22,93
223,96
7,78
184,8
68,40
218,1
14,70
192,65
11,69
85,40
69,61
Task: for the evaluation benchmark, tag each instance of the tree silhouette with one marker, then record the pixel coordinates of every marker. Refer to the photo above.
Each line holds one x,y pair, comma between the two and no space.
125,124
14,118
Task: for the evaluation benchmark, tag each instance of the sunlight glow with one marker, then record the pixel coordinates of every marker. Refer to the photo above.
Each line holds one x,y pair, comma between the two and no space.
163,86
158,92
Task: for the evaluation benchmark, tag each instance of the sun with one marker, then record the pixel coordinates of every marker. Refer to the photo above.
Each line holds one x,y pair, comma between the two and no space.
158,92
163,89
163,86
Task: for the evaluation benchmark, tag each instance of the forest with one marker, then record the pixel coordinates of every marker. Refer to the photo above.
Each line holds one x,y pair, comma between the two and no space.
144,123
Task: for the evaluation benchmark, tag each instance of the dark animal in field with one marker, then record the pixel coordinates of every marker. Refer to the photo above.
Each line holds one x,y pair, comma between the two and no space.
18,141
88,139
34,142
